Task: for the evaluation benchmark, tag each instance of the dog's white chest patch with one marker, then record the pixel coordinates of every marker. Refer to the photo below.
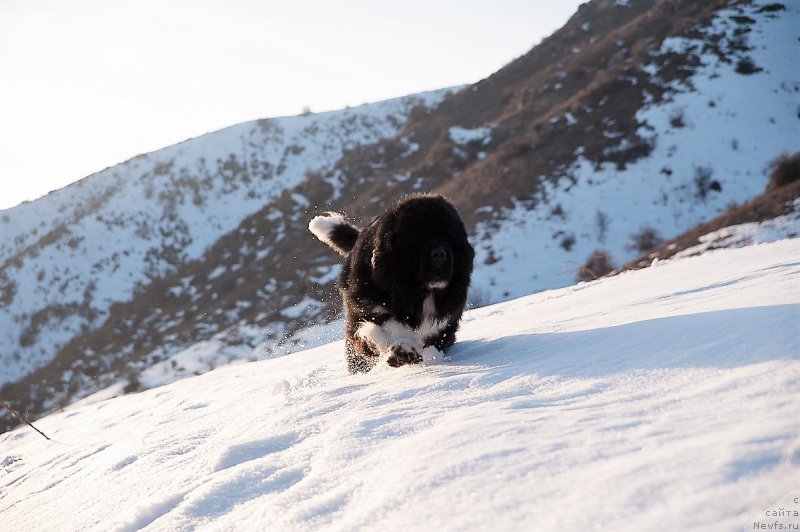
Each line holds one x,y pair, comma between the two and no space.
430,326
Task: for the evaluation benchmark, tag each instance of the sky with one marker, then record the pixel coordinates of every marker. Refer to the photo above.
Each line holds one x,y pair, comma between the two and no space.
87,84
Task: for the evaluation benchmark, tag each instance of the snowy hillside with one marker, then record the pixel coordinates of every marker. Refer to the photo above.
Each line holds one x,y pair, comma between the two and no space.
647,115
740,235
67,257
711,147
659,399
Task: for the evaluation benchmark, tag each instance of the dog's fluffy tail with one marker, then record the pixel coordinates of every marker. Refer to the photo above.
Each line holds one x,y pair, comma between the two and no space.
334,230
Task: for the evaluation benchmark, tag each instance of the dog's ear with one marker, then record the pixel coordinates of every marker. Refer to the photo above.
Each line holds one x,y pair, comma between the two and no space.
381,260
382,252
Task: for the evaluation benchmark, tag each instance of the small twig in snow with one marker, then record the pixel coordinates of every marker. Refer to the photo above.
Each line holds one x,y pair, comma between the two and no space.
22,418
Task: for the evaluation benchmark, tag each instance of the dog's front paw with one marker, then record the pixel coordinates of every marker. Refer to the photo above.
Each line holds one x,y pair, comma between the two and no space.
403,354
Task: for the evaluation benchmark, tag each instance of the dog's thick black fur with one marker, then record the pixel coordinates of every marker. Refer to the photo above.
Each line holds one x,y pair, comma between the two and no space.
404,280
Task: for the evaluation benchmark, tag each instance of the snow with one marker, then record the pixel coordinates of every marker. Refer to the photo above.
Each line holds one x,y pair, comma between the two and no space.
327,274
658,399
307,305
779,228
198,358
735,140
461,136
216,272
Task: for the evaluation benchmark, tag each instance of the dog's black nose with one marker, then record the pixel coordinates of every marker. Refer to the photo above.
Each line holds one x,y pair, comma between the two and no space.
438,256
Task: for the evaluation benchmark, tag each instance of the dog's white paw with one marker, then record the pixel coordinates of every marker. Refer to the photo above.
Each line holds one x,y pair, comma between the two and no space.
403,353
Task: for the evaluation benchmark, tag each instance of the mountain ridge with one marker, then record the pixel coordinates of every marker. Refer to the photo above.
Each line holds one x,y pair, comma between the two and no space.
535,170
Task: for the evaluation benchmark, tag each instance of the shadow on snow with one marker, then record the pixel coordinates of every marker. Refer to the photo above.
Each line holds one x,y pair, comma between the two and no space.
718,339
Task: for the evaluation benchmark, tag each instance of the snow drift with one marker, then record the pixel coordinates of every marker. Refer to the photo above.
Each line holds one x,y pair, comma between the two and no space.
658,399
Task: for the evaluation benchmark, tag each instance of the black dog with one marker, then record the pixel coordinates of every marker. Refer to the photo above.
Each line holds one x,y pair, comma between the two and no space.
404,280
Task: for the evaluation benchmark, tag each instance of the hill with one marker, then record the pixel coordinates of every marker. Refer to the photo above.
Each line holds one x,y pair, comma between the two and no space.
660,398
646,114
773,215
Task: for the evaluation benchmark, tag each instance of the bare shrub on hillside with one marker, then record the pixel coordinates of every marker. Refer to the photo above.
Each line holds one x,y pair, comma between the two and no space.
646,239
785,170
703,182
602,225
8,289
133,383
567,242
771,8
597,265
746,66
677,120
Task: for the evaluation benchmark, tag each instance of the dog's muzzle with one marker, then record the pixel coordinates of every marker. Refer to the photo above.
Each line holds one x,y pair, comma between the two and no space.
440,267
438,258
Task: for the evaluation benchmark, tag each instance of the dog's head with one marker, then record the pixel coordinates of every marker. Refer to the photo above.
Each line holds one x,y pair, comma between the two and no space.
421,242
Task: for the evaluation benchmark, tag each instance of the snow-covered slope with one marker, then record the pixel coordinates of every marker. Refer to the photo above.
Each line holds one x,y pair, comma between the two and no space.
66,258
659,399
740,235
713,138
